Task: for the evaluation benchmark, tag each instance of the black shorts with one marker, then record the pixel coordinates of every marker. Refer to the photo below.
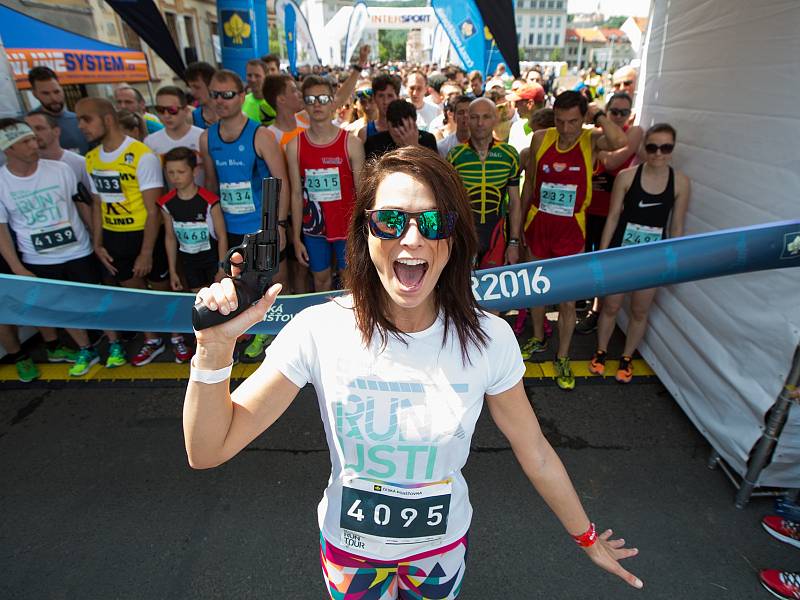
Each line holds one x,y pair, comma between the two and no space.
594,231
78,270
199,270
125,246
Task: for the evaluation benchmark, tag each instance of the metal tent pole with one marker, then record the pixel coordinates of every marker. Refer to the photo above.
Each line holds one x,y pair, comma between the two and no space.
775,423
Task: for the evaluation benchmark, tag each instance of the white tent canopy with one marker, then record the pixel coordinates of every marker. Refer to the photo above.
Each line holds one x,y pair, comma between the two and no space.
726,75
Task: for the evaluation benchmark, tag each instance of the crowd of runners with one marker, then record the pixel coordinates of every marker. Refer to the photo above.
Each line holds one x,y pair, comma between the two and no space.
122,193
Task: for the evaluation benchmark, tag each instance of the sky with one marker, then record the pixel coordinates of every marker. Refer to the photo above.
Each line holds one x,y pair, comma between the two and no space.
636,8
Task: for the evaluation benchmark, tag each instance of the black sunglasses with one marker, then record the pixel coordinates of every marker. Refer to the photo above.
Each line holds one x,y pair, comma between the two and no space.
225,95
322,99
620,112
664,148
392,224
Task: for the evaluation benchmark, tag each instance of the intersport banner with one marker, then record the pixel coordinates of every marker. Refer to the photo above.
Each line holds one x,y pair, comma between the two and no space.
143,17
359,19
300,46
463,24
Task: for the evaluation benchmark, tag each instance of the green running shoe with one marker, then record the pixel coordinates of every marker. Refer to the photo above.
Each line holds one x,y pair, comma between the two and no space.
87,357
116,355
62,354
255,350
564,377
27,370
533,346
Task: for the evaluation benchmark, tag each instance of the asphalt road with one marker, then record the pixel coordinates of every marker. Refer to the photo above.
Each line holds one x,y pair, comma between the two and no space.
97,501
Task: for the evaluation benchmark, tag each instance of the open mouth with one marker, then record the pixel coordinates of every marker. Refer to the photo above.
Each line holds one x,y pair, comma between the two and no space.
410,272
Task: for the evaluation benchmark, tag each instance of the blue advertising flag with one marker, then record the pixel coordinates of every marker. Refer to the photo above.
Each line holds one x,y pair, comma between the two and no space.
290,25
463,24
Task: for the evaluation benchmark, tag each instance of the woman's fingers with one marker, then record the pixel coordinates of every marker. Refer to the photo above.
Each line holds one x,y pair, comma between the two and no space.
236,259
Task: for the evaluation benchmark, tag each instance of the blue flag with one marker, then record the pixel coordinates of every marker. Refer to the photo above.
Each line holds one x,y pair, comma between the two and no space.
290,24
464,26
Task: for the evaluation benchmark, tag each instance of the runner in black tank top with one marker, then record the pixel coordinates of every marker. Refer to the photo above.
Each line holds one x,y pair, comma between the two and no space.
637,216
644,215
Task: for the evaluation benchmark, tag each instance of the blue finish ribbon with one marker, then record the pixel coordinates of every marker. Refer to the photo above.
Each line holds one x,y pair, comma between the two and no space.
33,301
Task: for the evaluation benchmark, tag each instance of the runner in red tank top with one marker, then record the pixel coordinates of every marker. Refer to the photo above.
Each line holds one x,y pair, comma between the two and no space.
556,199
324,166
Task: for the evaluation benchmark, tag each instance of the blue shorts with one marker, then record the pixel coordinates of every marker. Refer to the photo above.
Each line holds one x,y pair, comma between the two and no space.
319,253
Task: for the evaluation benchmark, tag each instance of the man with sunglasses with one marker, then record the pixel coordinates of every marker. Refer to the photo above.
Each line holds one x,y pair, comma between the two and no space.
325,165
173,110
555,195
608,165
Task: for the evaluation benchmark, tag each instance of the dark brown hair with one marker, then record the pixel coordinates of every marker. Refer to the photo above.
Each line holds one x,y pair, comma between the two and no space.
226,75
661,128
313,80
183,153
199,70
274,86
452,295
41,73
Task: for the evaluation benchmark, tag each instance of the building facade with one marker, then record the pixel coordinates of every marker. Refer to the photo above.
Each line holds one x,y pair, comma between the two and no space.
541,28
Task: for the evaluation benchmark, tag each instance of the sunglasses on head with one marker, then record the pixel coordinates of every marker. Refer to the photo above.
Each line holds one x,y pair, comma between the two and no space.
391,224
321,99
172,110
620,112
225,95
364,94
664,148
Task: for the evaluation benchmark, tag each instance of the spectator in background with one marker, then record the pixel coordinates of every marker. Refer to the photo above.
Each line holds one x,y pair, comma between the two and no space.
132,124
527,99
273,63
198,77
129,98
402,131
48,91
417,87
255,107
475,84
457,112
385,90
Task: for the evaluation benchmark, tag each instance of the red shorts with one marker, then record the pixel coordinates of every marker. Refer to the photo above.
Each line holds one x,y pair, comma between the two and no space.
552,236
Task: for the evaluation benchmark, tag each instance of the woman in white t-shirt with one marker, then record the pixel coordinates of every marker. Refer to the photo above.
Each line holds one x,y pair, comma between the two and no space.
401,368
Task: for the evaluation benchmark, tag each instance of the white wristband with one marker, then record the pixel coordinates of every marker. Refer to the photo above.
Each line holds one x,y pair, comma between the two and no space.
208,376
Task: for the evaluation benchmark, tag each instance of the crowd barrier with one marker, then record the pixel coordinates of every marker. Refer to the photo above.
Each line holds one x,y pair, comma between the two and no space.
33,301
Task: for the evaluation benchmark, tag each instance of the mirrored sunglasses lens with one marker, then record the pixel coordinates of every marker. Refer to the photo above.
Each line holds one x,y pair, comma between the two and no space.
431,225
387,224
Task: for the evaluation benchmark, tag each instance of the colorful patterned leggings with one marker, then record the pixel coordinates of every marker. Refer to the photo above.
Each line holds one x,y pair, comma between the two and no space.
434,575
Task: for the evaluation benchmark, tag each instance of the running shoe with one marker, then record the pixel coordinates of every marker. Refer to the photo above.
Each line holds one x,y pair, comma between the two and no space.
27,370
625,370
548,328
587,324
598,363
781,584
255,350
149,350
564,377
62,354
532,346
782,529
183,353
116,355
519,323
87,357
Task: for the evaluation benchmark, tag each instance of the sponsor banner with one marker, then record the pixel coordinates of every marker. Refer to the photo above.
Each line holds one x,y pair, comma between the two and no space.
34,301
79,66
401,18
355,29
463,24
300,46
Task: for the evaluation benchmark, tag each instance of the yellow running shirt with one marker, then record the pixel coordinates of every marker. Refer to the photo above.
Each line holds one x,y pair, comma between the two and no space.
119,178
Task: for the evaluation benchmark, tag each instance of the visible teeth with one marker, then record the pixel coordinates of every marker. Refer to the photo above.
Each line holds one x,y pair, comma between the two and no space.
411,261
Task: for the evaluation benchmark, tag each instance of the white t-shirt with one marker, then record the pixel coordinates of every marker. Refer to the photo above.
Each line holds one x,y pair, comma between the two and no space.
41,212
148,171
398,421
78,165
160,143
426,114
518,138
447,143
